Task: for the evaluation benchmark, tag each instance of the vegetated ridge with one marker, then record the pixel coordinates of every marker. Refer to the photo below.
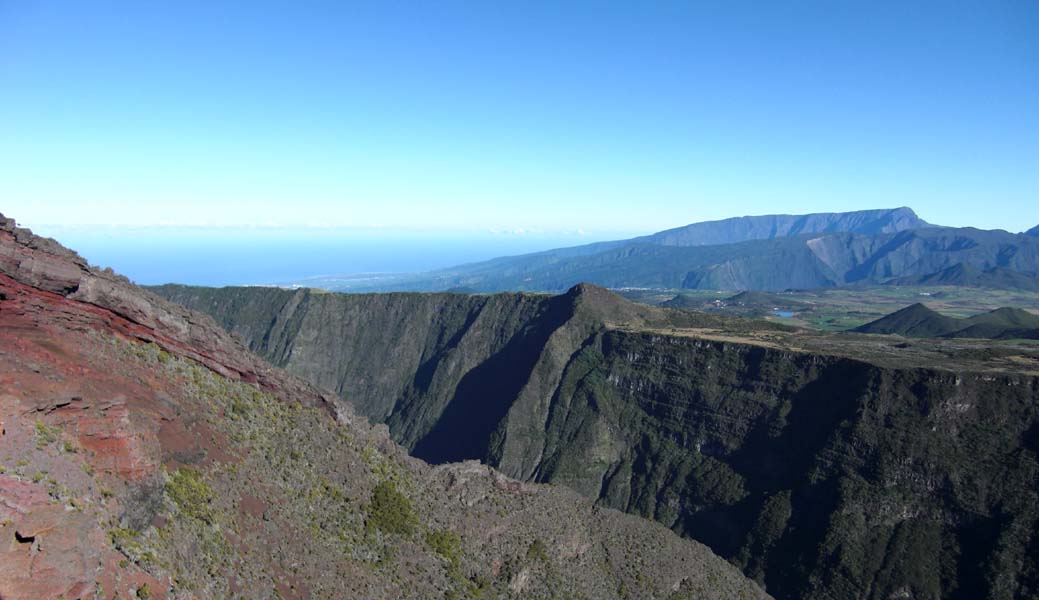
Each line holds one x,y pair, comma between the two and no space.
919,321
145,454
825,466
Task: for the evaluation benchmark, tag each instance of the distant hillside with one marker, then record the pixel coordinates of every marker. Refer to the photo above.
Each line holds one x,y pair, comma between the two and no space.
971,276
915,320
764,227
918,320
805,261
743,302
1033,231
762,300
742,229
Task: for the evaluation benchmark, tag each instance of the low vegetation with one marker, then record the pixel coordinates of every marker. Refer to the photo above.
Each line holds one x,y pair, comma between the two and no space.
390,511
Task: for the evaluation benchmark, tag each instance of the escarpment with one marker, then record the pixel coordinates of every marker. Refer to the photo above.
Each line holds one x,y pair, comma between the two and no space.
145,454
823,466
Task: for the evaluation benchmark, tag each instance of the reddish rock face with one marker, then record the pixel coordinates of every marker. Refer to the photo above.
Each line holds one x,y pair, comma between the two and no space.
48,551
38,276
68,430
77,424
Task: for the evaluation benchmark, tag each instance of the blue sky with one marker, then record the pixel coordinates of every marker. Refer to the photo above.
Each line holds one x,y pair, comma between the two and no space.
550,117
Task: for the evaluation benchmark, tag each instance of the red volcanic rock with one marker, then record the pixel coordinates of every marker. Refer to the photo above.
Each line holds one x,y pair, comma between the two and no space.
114,443
18,498
49,551
41,262
76,419
39,275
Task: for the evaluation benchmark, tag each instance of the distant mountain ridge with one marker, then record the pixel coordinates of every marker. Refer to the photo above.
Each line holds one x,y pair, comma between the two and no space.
1033,231
768,253
763,227
767,227
918,320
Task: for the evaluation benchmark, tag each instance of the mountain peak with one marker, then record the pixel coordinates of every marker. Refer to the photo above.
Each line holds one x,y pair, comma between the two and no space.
1007,317
601,304
1034,232
918,320
915,320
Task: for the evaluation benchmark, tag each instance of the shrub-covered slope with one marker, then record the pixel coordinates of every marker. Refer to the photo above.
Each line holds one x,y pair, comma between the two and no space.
822,476
144,454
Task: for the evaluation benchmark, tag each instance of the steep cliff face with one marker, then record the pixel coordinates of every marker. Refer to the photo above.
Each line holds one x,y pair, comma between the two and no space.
145,454
428,365
821,474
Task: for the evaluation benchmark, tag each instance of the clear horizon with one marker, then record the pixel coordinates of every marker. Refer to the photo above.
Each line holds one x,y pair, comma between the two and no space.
461,117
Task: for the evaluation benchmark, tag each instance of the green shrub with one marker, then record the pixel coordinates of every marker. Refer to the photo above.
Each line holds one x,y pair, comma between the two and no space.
390,511
537,551
446,543
44,434
192,495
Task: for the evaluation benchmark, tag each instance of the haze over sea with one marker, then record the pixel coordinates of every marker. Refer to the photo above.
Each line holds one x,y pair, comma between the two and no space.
221,256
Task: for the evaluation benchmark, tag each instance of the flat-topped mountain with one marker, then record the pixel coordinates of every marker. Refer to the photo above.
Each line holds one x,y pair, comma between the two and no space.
767,253
763,227
742,229
146,454
824,466
919,321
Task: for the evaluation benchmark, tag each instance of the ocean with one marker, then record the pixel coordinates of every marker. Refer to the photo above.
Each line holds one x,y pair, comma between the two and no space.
214,256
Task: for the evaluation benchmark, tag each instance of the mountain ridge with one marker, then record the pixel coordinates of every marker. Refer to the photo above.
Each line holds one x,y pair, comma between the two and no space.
757,227
746,228
790,252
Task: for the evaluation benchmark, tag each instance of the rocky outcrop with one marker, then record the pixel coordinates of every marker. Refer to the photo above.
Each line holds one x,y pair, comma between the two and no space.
145,454
38,273
821,473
